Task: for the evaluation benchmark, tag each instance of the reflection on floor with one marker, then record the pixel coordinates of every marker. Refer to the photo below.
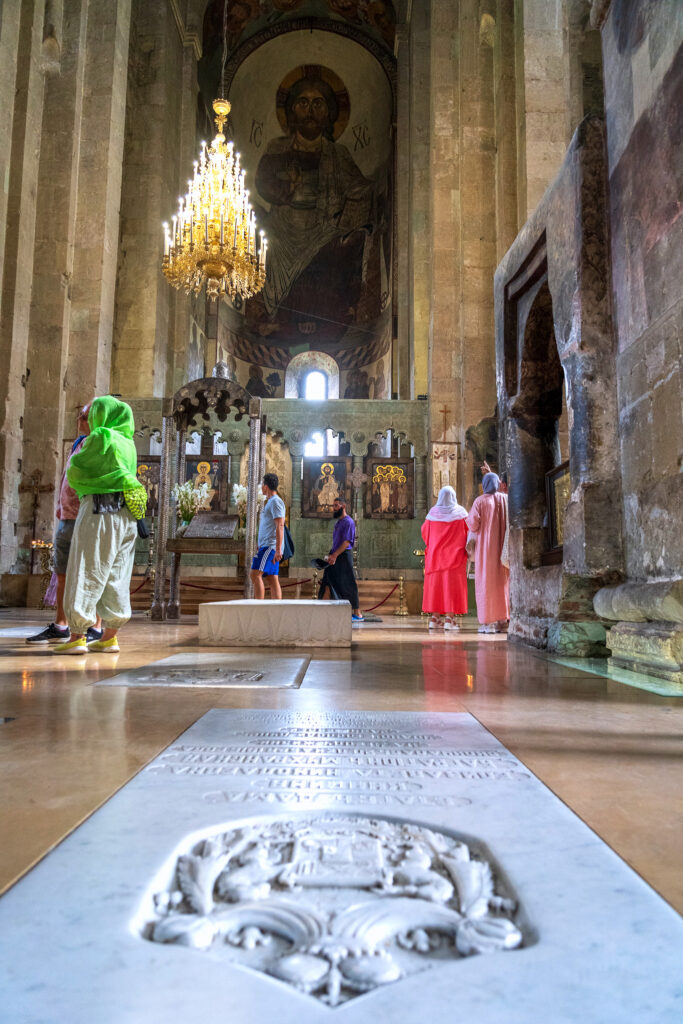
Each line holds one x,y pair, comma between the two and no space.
610,751
601,667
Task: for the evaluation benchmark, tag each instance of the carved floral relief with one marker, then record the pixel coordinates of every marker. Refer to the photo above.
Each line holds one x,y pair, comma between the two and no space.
335,906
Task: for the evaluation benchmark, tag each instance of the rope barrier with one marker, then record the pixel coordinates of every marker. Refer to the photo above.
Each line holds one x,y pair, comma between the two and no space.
384,601
223,590
283,586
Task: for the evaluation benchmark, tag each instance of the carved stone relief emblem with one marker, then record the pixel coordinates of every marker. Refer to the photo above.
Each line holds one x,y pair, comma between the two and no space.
335,906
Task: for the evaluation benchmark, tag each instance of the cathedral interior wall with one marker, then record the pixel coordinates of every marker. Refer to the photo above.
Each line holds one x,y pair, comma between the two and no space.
472,122
644,83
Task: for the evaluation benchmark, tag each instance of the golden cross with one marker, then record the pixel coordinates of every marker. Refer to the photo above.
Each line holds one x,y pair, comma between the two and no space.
446,413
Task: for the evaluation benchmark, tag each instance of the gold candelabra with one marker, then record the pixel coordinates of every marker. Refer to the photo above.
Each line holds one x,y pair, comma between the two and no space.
212,238
401,610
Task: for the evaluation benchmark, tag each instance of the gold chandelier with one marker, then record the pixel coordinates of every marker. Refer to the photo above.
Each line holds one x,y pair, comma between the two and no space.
212,238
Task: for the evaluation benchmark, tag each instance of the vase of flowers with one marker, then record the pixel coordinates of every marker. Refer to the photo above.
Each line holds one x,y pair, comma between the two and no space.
188,499
239,500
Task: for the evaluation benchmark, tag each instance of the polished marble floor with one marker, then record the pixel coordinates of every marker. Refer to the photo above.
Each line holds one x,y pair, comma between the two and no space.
610,751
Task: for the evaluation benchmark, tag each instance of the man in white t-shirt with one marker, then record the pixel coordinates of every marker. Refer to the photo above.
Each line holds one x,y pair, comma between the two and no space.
271,535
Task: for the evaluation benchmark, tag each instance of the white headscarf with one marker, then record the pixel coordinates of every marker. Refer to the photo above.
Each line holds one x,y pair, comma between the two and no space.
446,509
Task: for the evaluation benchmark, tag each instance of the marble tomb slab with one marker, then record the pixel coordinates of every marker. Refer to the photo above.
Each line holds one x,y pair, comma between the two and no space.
319,866
201,668
21,632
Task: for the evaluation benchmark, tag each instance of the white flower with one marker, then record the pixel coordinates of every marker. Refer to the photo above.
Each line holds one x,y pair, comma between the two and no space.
189,499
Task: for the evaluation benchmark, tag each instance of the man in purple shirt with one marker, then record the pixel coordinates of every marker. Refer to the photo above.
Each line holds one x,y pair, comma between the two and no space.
338,577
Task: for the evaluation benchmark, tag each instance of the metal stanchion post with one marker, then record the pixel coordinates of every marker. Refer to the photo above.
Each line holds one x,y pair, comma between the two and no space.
421,554
401,610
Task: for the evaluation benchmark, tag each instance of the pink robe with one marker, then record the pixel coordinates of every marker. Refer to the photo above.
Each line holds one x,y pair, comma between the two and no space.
445,586
488,520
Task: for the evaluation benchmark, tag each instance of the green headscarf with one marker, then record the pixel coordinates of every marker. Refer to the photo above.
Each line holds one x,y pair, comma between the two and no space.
107,462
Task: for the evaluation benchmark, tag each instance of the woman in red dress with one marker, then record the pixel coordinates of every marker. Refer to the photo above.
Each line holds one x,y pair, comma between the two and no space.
445,535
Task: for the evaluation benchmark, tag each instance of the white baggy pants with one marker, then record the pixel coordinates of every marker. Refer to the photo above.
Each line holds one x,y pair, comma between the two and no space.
100,567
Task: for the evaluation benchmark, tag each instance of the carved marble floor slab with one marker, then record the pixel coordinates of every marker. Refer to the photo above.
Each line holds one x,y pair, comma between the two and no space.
202,668
19,632
354,865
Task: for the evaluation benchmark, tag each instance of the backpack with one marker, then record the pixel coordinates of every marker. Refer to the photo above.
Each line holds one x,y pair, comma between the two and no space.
287,545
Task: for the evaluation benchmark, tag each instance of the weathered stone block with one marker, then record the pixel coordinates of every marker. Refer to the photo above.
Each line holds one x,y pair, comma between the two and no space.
577,639
639,602
655,648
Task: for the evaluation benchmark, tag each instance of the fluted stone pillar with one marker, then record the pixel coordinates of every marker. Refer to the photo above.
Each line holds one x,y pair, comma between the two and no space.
252,486
234,473
173,607
420,486
158,608
262,450
295,510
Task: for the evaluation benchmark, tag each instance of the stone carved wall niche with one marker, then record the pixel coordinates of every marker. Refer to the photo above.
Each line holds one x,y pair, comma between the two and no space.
553,321
333,905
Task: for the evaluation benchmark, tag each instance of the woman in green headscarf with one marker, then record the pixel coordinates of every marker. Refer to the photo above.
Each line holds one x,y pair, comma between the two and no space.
103,474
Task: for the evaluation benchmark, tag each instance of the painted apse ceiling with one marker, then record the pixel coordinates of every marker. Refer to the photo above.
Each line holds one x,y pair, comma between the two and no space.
312,114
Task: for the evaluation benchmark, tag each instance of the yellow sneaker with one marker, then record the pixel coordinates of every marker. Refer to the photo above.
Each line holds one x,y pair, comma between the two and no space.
104,646
71,647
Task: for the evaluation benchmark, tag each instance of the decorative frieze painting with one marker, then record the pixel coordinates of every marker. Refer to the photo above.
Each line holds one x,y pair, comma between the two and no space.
390,488
324,479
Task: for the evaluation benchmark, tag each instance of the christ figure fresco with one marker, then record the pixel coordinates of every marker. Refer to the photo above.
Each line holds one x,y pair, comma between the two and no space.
321,210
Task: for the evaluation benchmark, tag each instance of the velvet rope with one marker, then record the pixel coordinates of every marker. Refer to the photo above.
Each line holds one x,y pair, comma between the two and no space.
383,601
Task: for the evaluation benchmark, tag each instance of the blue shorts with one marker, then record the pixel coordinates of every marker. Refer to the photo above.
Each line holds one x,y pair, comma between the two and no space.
265,563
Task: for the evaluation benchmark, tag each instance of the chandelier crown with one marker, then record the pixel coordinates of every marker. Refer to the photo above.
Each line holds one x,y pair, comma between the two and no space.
212,237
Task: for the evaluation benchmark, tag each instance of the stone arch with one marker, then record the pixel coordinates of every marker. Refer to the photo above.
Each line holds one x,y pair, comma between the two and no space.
302,364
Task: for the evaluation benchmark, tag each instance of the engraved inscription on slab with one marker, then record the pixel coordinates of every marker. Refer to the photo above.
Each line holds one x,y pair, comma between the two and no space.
333,905
310,768
212,524
215,670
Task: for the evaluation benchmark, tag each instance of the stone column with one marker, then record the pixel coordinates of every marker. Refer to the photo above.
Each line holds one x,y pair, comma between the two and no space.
158,608
505,116
420,486
475,351
252,486
22,84
445,345
173,606
420,250
100,163
235,457
401,371
296,484
544,125
159,151
46,420
262,449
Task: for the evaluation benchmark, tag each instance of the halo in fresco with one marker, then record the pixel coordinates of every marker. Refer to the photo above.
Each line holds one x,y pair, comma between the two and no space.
315,71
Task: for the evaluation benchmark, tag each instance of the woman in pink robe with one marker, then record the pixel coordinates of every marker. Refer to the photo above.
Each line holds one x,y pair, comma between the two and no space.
488,521
445,535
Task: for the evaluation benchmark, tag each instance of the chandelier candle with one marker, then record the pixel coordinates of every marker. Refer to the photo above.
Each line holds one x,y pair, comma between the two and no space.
195,250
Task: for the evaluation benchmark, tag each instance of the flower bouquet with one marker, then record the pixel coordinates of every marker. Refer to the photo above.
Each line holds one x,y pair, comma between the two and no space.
189,499
239,500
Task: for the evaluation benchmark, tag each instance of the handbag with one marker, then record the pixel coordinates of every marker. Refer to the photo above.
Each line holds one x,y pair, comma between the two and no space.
287,545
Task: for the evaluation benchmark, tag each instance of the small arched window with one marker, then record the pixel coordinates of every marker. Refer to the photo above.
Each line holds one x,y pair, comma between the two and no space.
315,386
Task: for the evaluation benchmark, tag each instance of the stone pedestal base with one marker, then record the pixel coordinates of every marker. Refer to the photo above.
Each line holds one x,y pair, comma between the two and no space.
578,639
267,623
654,648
